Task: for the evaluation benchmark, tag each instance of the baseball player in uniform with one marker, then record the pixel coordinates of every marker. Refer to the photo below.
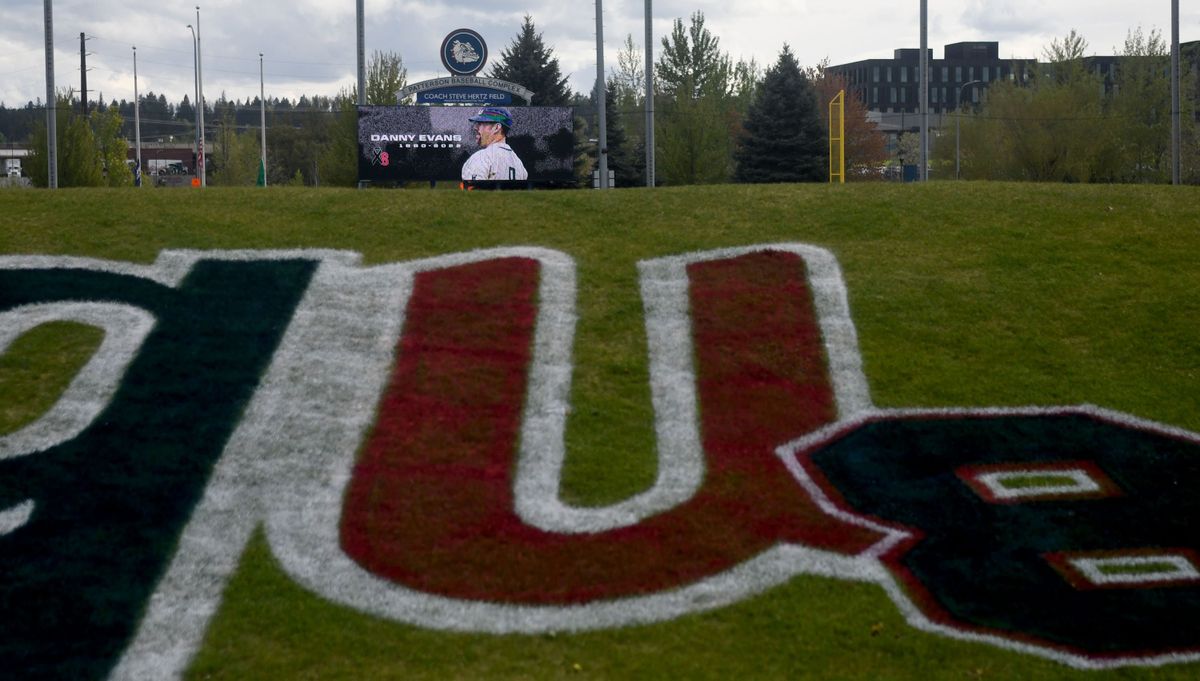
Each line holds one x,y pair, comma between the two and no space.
495,160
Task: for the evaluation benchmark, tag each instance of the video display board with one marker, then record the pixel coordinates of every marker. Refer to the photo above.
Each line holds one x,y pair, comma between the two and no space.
405,143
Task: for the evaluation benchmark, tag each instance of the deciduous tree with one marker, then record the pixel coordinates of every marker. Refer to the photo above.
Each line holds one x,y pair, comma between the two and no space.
236,162
338,160
1141,108
112,150
866,147
386,77
79,163
1054,129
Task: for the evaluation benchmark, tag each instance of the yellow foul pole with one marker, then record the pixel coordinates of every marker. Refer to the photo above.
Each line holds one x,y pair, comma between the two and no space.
837,138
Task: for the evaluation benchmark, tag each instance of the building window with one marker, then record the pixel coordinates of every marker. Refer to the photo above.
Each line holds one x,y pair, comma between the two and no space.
970,73
875,74
889,74
903,75
893,96
875,96
987,74
945,74
958,74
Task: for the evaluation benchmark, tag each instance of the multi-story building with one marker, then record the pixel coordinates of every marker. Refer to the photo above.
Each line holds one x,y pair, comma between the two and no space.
892,86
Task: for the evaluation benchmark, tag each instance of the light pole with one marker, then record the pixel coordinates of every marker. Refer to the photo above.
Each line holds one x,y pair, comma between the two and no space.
196,95
200,87
649,98
601,92
137,124
923,91
51,98
958,125
359,13
1175,124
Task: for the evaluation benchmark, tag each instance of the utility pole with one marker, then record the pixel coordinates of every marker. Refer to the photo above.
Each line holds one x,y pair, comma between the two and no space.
51,98
137,122
601,91
83,74
649,98
262,110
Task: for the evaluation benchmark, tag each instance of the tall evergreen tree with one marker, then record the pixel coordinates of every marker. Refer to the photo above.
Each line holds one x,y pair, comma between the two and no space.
784,138
621,160
529,63
692,63
696,111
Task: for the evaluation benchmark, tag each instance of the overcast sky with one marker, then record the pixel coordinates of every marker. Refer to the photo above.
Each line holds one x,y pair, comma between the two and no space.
309,45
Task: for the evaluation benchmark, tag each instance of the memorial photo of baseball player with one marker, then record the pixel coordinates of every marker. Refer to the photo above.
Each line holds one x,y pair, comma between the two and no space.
495,160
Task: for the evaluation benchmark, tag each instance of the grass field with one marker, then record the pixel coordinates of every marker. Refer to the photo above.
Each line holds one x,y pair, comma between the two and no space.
964,295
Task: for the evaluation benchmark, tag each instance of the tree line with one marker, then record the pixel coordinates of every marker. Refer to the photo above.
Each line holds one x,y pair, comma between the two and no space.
1075,124
716,120
705,104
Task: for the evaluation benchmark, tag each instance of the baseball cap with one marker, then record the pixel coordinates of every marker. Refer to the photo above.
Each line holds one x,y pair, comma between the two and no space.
493,114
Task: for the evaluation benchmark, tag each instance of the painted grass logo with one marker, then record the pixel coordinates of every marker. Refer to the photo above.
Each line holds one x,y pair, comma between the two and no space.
369,419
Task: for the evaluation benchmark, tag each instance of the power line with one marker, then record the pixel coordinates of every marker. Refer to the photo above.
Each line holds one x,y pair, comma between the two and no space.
252,58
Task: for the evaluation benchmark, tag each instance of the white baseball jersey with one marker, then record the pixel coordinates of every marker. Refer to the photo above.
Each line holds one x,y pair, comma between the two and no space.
494,162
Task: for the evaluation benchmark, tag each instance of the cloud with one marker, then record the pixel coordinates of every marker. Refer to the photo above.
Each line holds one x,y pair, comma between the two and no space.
1007,17
310,45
